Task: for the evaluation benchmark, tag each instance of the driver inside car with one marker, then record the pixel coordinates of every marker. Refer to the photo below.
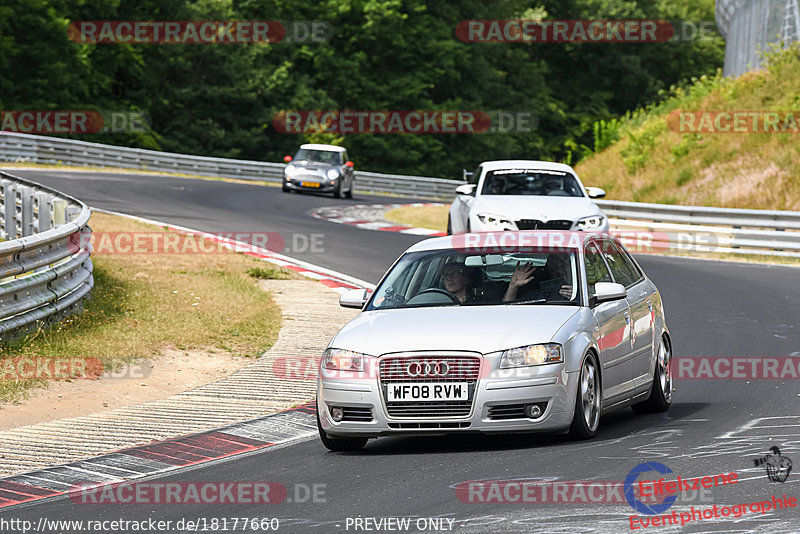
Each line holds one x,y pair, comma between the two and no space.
456,280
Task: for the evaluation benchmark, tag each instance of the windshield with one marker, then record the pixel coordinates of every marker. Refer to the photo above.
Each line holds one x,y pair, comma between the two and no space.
531,182
464,278
319,156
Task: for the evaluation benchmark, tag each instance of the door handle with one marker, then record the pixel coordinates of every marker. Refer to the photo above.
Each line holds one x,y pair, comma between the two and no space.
627,318
649,304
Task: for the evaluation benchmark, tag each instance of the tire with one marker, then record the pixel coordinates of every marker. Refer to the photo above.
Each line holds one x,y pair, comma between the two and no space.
660,398
285,189
449,226
337,191
349,194
339,444
586,419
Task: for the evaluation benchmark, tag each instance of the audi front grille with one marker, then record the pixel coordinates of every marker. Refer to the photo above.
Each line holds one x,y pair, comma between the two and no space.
464,369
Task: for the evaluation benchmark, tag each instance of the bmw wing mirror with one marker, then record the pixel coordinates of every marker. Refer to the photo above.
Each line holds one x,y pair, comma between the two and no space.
349,164
466,189
595,192
287,159
355,298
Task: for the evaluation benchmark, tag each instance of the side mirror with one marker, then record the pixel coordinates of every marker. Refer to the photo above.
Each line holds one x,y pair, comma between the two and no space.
355,298
287,159
466,189
605,291
349,164
595,192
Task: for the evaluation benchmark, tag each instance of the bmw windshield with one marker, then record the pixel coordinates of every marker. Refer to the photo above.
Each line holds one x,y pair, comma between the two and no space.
463,278
531,182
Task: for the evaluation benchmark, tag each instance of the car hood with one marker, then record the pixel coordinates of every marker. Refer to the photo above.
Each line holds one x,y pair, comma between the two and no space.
483,329
535,207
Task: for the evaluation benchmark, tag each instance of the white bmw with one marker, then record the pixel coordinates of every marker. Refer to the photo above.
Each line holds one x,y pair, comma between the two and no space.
525,195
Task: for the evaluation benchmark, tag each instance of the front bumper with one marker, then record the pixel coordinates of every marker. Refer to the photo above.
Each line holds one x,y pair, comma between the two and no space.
323,185
477,226
546,384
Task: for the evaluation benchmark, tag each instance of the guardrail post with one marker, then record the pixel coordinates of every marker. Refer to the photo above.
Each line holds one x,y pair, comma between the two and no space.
59,212
43,212
10,210
24,210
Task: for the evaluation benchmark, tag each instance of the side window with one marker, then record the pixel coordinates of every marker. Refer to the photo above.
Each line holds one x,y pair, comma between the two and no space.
344,158
596,270
622,267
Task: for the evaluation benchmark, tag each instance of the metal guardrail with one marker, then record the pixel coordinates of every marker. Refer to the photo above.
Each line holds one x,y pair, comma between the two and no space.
707,229
677,228
16,147
45,264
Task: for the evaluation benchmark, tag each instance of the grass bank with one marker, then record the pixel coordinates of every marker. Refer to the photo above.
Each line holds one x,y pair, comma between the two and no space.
143,304
651,158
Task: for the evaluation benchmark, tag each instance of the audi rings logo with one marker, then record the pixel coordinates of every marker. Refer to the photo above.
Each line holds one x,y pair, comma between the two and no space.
423,369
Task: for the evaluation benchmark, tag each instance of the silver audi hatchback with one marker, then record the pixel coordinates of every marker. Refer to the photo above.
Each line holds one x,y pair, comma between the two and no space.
497,333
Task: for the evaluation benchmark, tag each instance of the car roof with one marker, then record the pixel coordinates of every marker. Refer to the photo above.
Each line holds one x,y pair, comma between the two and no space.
317,146
526,164
485,241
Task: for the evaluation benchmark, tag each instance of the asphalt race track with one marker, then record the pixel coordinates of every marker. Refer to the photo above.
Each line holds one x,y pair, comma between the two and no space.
718,426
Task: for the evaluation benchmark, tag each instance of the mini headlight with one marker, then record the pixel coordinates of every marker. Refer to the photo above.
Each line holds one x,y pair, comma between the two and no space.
343,360
332,174
495,220
290,170
590,223
532,355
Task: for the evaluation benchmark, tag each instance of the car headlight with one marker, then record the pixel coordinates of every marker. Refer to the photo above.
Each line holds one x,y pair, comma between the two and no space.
590,223
290,170
343,360
532,355
332,174
495,220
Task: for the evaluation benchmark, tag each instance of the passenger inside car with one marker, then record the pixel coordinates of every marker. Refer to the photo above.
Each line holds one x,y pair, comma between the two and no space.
553,281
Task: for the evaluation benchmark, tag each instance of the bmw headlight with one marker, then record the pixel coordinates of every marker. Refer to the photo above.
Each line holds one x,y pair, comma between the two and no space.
496,221
532,355
591,223
343,360
332,174
290,171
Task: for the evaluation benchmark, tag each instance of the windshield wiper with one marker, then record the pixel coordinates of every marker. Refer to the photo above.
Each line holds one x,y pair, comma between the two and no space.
530,301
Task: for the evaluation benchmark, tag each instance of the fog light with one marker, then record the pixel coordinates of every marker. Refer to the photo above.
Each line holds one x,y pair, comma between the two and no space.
534,411
337,413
